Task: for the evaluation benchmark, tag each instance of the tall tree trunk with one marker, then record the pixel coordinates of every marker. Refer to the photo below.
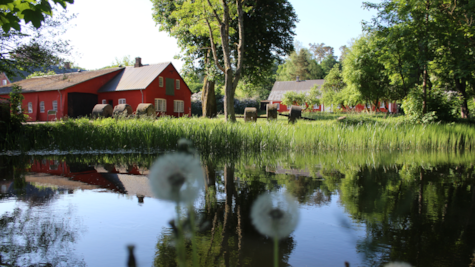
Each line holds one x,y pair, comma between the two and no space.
461,86
208,99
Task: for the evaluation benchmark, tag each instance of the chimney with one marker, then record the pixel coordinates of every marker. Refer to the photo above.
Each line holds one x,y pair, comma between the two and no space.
67,65
298,79
138,62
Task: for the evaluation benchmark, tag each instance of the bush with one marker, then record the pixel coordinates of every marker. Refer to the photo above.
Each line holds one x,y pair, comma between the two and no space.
239,105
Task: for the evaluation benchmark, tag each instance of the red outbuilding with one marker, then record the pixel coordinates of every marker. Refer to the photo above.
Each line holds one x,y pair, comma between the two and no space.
158,84
299,86
75,94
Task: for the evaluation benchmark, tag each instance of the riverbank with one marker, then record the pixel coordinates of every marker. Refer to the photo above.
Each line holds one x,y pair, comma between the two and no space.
214,136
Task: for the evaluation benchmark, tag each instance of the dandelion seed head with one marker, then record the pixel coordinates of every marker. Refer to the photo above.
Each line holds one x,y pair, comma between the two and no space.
176,177
275,215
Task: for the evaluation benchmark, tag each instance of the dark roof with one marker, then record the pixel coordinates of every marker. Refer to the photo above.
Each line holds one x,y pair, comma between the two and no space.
56,82
134,78
22,74
280,88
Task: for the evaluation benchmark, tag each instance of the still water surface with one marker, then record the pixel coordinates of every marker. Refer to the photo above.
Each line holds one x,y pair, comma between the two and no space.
366,209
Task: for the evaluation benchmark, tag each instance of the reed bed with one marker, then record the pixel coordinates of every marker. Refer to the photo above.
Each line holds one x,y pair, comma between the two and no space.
214,136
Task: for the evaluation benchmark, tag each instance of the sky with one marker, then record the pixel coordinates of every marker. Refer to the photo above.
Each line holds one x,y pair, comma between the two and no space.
109,29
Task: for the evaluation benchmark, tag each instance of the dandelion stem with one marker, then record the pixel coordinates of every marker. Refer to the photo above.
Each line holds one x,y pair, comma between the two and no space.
180,242
193,241
276,251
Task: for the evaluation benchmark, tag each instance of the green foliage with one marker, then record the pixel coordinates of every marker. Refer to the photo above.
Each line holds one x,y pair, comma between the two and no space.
14,12
442,106
214,136
327,64
124,62
16,110
40,73
300,64
293,98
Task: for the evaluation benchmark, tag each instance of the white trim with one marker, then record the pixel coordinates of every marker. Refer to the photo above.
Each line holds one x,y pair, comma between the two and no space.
42,107
316,106
4,82
278,106
122,101
160,105
30,107
178,106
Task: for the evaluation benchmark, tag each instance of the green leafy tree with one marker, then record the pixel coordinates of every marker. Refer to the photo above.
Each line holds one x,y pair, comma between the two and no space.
208,28
300,64
14,12
124,62
294,98
363,72
321,51
327,64
16,110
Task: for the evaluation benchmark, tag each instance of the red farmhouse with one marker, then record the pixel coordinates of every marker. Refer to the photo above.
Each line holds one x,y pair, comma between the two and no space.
76,94
159,84
298,86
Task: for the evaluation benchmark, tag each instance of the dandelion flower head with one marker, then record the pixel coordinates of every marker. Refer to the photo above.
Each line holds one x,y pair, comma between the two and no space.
275,215
176,177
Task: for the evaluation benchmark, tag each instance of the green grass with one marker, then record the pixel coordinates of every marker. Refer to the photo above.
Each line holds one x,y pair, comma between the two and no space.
214,136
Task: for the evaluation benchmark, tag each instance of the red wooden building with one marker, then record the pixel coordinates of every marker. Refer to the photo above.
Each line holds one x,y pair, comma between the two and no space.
158,84
76,94
280,88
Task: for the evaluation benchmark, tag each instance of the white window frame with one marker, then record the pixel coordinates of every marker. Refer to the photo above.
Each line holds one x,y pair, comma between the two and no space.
42,107
160,105
30,107
316,106
104,101
55,105
160,81
4,82
382,105
122,101
178,106
288,107
177,84
278,106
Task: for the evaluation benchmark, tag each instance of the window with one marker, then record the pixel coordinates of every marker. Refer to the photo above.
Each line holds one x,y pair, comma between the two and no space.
42,107
55,105
122,101
104,101
382,105
30,107
4,82
278,106
316,106
368,105
288,107
160,105
177,84
160,81
19,107
178,106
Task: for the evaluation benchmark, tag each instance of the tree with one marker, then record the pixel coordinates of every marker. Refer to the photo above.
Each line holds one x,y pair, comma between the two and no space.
40,73
221,23
34,47
328,63
299,64
293,98
320,51
363,72
125,61
15,12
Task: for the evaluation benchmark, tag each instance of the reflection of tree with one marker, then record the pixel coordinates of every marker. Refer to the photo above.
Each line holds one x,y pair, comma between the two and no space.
37,238
424,216
231,239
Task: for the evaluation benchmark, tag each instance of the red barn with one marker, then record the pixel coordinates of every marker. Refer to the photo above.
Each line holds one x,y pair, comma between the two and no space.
76,94
298,86
158,84
61,95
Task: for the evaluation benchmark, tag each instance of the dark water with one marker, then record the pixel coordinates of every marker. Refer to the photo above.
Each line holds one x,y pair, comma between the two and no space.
364,208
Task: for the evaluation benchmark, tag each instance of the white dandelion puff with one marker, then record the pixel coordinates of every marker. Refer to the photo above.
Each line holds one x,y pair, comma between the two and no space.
275,215
176,177
397,264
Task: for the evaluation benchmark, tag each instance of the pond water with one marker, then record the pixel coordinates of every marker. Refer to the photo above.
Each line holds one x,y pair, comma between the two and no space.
363,208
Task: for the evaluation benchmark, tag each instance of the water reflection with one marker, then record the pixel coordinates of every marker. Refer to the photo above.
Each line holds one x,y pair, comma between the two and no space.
413,207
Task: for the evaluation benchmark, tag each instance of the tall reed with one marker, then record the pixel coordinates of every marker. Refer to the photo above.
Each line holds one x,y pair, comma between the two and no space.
219,138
